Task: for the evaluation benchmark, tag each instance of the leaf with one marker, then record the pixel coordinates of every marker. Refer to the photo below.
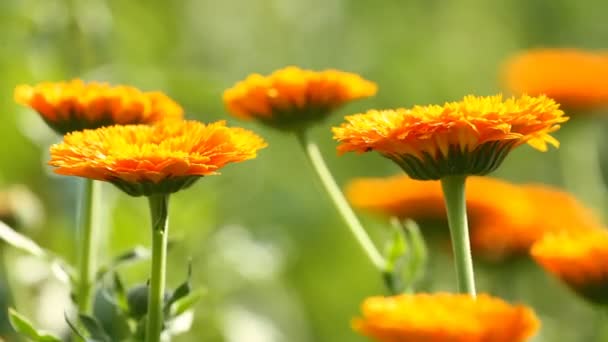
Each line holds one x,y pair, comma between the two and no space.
23,326
19,241
397,247
419,255
185,303
94,328
183,290
120,294
136,254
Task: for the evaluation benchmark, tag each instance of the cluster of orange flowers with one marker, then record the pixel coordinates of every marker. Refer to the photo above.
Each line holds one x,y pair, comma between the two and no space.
506,219
133,139
468,137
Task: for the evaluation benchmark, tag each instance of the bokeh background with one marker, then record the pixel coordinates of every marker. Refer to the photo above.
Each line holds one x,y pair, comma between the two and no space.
263,238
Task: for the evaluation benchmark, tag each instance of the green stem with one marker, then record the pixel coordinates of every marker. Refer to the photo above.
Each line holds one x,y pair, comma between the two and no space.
316,160
87,232
159,210
454,193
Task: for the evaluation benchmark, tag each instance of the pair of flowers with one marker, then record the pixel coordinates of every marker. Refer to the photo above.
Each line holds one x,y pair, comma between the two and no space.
135,140
450,142
506,218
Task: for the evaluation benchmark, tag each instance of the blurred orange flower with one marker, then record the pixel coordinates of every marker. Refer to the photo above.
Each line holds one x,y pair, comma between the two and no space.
574,78
292,97
506,219
579,259
143,160
445,317
472,136
75,105
539,210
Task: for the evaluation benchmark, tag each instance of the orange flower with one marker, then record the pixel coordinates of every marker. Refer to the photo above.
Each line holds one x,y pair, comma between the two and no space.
470,137
538,210
574,78
143,160
75,105
579,259
506,219
292,97
445,317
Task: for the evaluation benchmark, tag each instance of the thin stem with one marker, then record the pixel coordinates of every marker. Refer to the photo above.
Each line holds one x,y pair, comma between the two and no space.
159,210
87,231
316,160
454,193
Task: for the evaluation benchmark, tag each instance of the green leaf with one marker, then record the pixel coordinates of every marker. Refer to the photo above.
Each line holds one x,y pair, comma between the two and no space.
120,294
94,328
183,290
10,236
185,303
138,253
23,326
397,247
419,254
73,327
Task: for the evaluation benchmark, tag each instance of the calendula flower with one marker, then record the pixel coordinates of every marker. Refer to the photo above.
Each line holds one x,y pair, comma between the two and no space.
144,160
506,219
445,317
469,137
76,105
539,210
290,98
574,78
579,259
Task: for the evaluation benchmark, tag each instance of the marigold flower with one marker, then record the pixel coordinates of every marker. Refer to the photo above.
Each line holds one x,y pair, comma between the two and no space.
574,78
539,210
470,137
579,259
292,97
506,219
144,160
75,105
445,317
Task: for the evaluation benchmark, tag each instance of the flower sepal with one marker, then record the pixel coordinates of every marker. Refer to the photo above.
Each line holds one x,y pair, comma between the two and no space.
484,159
166,186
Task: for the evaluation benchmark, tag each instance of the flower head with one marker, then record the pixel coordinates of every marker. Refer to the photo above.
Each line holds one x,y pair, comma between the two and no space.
579,259
445,317
75,105
537,210
470,137
290,98
574,78
506,219
144,160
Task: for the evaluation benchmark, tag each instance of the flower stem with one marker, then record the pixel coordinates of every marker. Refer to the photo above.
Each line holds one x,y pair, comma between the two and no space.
454,193
159,211
311,150
87,232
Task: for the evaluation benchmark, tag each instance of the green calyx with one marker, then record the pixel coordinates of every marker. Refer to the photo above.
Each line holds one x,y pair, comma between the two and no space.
166,186
482,160
295,119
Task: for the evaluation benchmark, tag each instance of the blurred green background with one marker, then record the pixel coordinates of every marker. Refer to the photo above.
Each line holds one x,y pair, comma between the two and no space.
264,240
